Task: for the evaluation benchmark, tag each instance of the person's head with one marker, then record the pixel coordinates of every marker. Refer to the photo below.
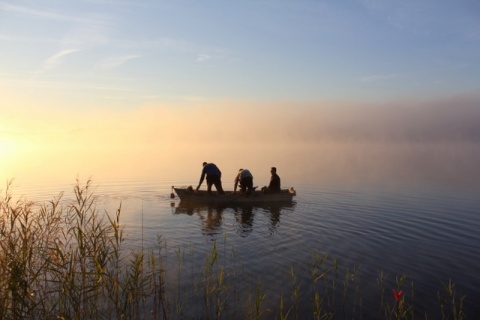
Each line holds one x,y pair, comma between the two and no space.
273,170
204,164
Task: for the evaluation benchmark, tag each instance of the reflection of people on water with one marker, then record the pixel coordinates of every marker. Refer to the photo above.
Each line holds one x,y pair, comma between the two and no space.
212,218
274,218
244,217
245,178
274,185
214,177
212,222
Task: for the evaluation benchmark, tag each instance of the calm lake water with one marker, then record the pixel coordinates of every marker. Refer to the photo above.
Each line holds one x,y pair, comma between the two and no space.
430,233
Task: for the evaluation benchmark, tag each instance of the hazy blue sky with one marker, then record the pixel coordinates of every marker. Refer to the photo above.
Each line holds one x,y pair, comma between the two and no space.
135,52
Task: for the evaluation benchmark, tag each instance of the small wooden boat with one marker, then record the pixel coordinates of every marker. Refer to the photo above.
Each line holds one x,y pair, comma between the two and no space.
188,194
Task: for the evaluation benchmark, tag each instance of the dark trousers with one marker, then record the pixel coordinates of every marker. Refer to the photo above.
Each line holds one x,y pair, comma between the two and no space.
214,180
246,184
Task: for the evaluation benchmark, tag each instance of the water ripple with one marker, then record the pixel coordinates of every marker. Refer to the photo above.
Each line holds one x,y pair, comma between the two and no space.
429,233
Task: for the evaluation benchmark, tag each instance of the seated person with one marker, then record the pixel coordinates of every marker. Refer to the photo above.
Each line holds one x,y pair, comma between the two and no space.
274,186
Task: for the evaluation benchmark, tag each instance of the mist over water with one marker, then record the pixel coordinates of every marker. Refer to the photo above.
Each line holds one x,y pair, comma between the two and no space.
433,140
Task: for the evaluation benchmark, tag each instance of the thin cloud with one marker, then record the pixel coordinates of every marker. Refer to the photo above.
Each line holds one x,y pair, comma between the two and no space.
56,58
43,14
28,39
383,77
203,57
202,53
115,62
53,61
90,28
162,43
428,18
174,44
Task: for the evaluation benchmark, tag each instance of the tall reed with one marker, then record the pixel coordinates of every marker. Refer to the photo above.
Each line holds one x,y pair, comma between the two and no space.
67,260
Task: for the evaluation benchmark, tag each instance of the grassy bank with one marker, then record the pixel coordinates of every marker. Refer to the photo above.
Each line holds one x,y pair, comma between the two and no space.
65,260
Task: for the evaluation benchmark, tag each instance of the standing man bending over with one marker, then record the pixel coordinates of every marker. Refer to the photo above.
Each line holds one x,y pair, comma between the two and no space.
214,177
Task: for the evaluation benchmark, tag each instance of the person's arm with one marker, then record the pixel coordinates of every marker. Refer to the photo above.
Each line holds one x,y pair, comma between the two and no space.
236,183
272,182
201,180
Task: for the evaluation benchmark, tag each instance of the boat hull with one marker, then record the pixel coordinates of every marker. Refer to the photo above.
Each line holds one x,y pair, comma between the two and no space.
201,196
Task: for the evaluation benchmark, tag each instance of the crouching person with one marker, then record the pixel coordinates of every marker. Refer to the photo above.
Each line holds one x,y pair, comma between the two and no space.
245,179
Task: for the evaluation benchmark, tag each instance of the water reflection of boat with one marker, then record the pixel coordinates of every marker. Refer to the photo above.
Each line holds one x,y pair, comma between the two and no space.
190,208
256,197
212,215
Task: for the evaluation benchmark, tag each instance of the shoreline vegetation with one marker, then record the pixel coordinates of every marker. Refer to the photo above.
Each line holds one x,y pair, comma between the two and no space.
70,261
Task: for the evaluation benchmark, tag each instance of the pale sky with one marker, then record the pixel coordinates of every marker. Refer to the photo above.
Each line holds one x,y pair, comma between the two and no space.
125,53
87,76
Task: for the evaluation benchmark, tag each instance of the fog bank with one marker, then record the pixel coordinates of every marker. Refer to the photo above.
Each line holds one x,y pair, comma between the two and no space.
435,139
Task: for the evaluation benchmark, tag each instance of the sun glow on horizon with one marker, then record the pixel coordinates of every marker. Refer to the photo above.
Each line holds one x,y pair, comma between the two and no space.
305,141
